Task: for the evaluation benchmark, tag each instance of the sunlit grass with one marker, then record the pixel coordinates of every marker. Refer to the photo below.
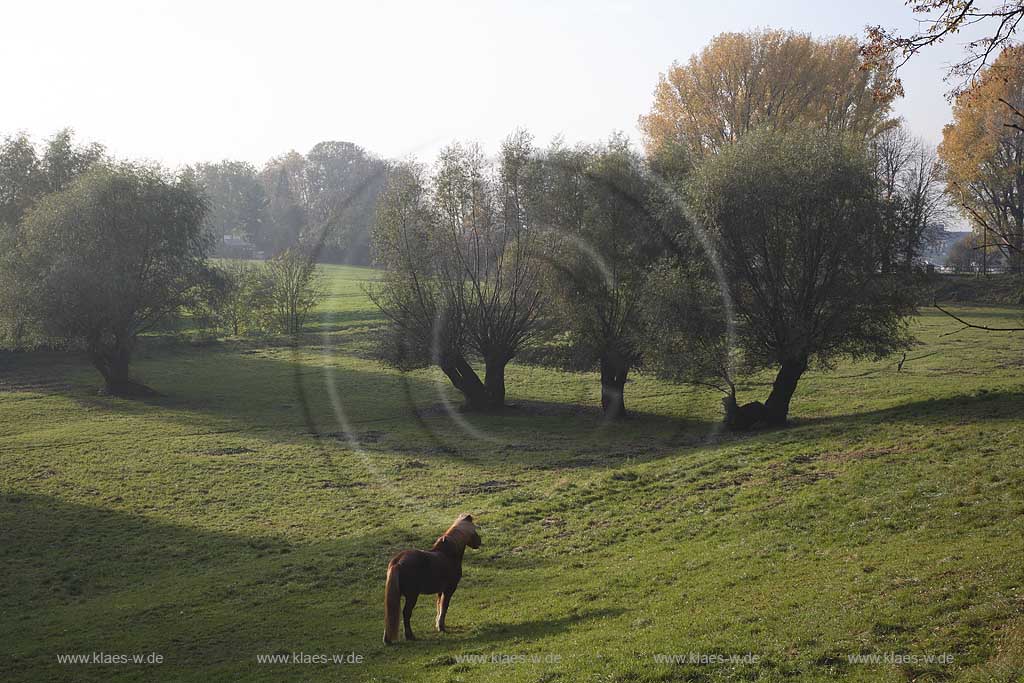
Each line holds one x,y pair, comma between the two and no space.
233,516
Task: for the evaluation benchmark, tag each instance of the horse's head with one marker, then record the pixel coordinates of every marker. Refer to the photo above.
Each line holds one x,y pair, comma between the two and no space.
465,528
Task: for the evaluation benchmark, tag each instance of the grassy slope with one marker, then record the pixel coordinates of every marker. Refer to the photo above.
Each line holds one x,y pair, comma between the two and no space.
233,517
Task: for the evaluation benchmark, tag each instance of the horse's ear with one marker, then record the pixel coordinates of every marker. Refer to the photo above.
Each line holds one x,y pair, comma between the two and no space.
468,517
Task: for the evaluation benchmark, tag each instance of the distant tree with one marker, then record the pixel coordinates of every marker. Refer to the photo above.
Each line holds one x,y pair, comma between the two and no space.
911,184
22,181
938,20
771,78
462,272
235,298
984,153
109,257
600,210
237,201
284,183
293,287
797,228
21,184
965,256
63,160
688,328
344,184
27,174
324,201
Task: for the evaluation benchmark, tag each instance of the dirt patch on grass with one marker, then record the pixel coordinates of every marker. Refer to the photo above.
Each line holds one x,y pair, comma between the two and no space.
489,486
738,480
862,453
411,465
227,450
327,484
567,464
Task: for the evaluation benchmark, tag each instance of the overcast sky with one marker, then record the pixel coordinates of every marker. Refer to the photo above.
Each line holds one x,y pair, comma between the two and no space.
185,81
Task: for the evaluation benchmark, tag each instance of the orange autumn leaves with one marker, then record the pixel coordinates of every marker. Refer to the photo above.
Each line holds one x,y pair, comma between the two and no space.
773,78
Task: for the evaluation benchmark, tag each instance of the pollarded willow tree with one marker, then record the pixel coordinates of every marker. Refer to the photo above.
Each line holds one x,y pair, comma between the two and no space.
606,225
462,281
764,79
796,225
116,252
983,150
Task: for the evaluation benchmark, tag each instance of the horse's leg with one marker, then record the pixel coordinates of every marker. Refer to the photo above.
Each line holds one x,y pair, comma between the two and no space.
437,620
410,602
442,608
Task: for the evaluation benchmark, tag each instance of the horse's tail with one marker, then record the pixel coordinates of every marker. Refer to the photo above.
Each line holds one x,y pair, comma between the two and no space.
392,598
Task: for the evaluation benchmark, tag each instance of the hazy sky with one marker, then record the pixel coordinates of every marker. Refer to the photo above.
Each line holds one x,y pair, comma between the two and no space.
188,81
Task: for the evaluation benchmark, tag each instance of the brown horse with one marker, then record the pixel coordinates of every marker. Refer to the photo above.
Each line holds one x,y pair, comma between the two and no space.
437,570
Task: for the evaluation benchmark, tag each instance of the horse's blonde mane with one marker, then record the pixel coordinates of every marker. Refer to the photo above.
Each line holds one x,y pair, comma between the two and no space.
460,532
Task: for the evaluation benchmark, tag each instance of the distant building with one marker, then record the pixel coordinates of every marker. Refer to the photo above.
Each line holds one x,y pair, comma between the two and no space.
238,247
937,250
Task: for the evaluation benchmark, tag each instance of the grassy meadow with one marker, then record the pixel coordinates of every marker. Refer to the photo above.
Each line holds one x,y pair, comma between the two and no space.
251,509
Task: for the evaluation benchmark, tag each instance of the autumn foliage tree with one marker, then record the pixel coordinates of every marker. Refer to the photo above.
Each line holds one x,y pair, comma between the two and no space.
771,78
983,150
937,21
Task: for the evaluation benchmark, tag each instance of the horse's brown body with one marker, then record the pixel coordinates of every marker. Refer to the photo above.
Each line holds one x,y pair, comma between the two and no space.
438,570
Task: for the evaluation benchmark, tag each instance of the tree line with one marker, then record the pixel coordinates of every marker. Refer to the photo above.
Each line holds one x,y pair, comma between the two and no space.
775,219
324,200
774,222
95,252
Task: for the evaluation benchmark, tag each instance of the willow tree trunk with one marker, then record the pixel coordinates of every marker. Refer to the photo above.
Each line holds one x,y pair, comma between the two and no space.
613,382
464,378
494,381
113,363
776,408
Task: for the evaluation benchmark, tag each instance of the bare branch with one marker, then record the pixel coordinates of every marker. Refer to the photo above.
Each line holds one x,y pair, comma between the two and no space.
972,326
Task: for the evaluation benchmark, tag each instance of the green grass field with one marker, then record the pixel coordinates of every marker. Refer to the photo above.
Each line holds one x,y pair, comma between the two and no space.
252,508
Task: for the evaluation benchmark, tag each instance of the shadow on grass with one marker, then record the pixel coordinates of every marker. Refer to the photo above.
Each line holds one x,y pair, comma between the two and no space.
82,579
501,632
978,406
536,629
286,397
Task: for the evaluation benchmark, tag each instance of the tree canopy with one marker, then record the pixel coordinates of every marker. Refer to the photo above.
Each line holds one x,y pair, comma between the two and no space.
324,201
937,21
108,257
607,226
769,78
797,228
983,149
463,277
